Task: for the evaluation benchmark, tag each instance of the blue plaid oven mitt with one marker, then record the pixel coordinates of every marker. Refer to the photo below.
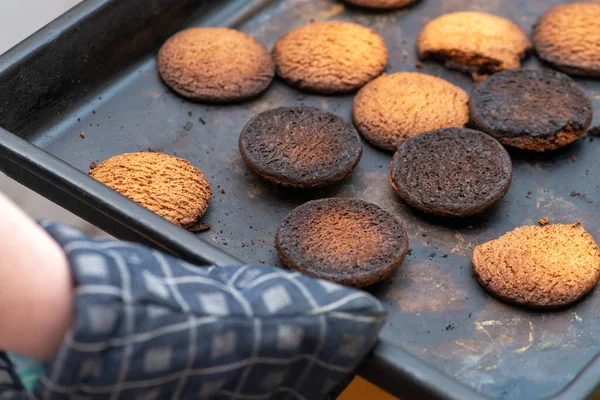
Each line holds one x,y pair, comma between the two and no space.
149,326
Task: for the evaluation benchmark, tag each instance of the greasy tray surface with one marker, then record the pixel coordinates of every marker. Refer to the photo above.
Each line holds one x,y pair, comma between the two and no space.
437,310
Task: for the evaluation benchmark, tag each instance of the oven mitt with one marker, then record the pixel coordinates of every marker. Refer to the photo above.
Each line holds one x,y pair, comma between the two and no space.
150,326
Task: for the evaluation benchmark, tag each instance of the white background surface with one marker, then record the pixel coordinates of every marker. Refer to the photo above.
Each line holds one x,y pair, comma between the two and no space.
18,20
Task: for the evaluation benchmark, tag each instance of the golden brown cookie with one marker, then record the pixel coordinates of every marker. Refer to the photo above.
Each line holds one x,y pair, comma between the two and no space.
215,65
399,106
169,186
381,4
330,57
474,42
568,37
347,241
541,267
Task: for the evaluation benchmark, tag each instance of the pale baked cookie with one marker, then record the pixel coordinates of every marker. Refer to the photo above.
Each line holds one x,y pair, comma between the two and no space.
541,267
568,37
474,42
169,186
330,57
215,65
396,107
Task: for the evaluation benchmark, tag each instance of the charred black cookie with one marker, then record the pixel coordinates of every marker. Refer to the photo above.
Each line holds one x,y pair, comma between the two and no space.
532,110
301,147
347,241
451,172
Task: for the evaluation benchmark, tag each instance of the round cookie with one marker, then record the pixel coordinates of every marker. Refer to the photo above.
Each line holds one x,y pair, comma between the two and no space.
532,110
301,147
215,65
381,4
169,186
451,172
474,42
540,267
347,241
330,57
396,107
568,37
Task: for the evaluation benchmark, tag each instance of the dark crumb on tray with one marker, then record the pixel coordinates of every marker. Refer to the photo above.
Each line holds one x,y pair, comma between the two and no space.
261,261
419,65
222,191
202,121
188,127
450,327
594,131
544,221
200,227
576,194
82,135
93,165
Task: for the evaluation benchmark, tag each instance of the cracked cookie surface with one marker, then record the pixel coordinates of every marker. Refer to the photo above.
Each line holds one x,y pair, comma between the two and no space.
215,65
330,57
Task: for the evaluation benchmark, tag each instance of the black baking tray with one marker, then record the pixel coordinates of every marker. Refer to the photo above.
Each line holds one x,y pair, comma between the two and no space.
93,71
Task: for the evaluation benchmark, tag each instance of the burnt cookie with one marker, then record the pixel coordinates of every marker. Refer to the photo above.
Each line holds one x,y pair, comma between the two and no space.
567,36
215,65
347,241
381,4
301,147
474,42
532,110
540,267
396,107
169,186
330,57
451,172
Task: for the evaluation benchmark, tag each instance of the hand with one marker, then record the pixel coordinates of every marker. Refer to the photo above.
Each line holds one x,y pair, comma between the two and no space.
35,286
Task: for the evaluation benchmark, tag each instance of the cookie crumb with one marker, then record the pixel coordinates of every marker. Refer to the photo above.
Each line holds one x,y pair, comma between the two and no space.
93,165
222,191
82,135
594,132
261,261
450,327
544,221
188,127
419,65
573,158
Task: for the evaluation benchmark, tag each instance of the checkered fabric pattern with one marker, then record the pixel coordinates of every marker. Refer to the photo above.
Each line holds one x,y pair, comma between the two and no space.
10,385
149,326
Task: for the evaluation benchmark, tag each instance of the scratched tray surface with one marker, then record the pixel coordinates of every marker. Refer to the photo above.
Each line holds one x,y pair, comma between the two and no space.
437,310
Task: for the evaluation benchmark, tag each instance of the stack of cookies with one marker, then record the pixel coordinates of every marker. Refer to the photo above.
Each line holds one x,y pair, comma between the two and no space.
437,165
